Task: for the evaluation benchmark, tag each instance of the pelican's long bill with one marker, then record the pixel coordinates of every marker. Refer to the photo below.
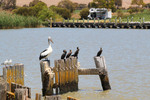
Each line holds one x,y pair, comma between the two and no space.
50,39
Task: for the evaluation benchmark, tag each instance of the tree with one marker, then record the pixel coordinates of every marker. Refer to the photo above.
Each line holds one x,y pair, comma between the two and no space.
65,13
33,3
137,2
92,5
45,14
66,4
84,13
118,3
109,4
7,4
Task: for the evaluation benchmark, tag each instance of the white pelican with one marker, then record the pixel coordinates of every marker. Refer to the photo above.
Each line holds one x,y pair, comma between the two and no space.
46,52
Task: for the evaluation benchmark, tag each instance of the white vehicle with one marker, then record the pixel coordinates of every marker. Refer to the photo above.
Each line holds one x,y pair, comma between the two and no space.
101,13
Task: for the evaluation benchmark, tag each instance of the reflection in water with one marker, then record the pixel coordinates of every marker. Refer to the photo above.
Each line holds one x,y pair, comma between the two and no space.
126,52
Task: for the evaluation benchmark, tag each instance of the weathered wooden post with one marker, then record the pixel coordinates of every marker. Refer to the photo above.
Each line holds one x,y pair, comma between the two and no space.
119,19
38,96
56,97
21,94
47,76
3,87
68,20
143,19
132,19
100,63
51,22
88,20
98,20
116,21
109,20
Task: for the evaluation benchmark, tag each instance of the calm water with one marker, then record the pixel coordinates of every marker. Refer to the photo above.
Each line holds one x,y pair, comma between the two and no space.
127,54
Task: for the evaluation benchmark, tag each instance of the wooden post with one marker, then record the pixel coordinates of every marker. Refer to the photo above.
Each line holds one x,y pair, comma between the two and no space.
2,94
119,19
51,21
47,78
38,96
57,97
3,87
19,73
56,75
21,94
100,63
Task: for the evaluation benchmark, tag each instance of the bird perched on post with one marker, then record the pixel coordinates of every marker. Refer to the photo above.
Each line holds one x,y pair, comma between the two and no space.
69,54
99,52
7,62
48,51
76,53
64,54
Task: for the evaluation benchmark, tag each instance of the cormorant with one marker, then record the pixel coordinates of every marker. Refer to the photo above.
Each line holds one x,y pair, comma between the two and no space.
99,52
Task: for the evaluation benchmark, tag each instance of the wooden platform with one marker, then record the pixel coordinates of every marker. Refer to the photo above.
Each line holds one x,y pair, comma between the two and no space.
130,25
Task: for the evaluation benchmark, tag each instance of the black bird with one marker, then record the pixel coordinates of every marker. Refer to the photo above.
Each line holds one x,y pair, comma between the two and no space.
76,52
99,52
64,54
69,54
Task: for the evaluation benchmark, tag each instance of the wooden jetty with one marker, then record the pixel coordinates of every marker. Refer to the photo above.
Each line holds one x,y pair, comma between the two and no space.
63,77
117,24
12,84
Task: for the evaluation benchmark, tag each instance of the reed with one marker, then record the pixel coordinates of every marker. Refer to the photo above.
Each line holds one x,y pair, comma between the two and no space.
8,20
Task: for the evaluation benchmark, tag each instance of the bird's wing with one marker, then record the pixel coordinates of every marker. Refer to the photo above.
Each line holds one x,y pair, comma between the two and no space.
45,52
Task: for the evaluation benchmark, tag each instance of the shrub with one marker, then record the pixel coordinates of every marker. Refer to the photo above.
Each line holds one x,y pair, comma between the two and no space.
119,13
65,13
84,13
66,4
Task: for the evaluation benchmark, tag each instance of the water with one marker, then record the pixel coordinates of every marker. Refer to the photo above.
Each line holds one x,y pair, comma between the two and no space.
127,54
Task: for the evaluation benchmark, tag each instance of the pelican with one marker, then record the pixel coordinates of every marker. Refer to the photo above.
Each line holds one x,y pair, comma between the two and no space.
48,51
99,52
64,54
69,54
76,52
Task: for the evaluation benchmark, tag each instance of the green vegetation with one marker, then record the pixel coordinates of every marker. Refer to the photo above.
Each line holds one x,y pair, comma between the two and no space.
135,17
8,20
84,13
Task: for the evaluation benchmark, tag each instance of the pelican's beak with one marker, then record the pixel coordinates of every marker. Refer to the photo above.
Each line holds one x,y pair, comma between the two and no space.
51,40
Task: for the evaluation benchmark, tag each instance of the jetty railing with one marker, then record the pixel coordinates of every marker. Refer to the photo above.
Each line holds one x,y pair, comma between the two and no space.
97,23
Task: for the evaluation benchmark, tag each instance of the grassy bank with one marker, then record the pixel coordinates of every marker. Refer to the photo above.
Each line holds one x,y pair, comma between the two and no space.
135,16
8,20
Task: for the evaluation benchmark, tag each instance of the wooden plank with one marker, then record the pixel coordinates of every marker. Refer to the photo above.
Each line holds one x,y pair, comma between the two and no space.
89,71
10,95
100,63
71,98
56,97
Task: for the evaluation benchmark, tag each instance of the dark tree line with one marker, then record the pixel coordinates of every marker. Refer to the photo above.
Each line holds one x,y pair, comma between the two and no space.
7,4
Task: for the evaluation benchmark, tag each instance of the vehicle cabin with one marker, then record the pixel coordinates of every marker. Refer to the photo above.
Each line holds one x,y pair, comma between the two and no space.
101,13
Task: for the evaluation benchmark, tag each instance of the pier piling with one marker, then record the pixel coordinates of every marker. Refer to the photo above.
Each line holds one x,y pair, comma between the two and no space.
100,63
